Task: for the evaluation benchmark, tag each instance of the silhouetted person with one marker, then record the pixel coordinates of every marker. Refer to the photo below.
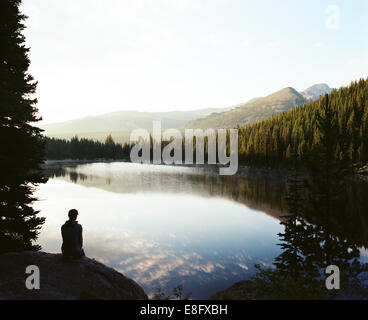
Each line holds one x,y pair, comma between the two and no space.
71,231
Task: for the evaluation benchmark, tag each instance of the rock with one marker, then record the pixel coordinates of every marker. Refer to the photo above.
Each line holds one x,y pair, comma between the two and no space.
250,290
81,279
241,290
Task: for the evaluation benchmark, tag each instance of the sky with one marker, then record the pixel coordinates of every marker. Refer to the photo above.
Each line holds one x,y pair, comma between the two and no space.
97,56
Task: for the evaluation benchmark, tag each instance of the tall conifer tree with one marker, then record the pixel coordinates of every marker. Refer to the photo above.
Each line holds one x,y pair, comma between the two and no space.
21,149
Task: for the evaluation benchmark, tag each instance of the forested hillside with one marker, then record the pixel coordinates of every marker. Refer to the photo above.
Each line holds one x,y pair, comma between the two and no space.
85,149
252,111
273,141
270,142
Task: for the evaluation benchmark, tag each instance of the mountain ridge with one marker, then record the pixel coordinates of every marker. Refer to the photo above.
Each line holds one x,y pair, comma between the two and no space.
315,91
121,123
261,108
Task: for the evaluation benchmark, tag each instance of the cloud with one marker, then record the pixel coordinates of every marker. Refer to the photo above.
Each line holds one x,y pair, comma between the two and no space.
243,266
318,44
359,62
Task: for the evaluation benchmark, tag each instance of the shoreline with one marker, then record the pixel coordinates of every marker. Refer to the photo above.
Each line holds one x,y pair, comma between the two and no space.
358,174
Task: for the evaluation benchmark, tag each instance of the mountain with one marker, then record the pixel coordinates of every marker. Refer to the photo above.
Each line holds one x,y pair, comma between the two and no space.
314,92
272,142
260,108
250,112
121,123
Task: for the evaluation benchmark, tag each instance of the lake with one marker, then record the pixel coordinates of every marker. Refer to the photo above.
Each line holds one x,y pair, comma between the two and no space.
167,225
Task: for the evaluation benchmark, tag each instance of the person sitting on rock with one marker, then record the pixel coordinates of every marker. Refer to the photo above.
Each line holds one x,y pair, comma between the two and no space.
71,231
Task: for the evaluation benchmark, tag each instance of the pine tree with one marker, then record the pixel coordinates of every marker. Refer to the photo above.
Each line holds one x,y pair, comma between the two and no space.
328,170
326,166
21,147
109,140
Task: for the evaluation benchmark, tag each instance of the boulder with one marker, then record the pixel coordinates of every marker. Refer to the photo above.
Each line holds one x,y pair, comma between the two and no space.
80,279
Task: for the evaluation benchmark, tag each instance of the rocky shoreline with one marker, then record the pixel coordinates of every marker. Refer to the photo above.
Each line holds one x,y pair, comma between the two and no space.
83,279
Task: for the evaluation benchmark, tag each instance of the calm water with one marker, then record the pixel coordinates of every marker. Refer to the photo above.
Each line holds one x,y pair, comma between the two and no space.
163,226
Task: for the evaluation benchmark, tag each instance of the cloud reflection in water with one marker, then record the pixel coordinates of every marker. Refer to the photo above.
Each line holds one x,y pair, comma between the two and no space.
162,239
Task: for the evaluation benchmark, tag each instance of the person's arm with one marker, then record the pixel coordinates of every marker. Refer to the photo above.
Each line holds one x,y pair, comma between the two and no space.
81,236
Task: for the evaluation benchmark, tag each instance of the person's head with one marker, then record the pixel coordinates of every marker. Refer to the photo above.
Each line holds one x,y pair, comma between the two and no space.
73,213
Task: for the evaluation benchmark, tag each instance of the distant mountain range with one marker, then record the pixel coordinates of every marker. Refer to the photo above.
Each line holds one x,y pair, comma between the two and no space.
314,92
260,108
121,123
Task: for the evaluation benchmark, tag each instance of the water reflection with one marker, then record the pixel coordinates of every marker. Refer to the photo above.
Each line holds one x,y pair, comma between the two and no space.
259,190
166,225
176,232
317,235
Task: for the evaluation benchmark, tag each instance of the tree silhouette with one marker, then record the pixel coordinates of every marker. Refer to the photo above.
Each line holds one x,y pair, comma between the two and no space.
21,149
296,236
328,168
85,149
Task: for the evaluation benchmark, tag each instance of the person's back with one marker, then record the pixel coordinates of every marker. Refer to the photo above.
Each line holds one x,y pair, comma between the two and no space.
71,232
